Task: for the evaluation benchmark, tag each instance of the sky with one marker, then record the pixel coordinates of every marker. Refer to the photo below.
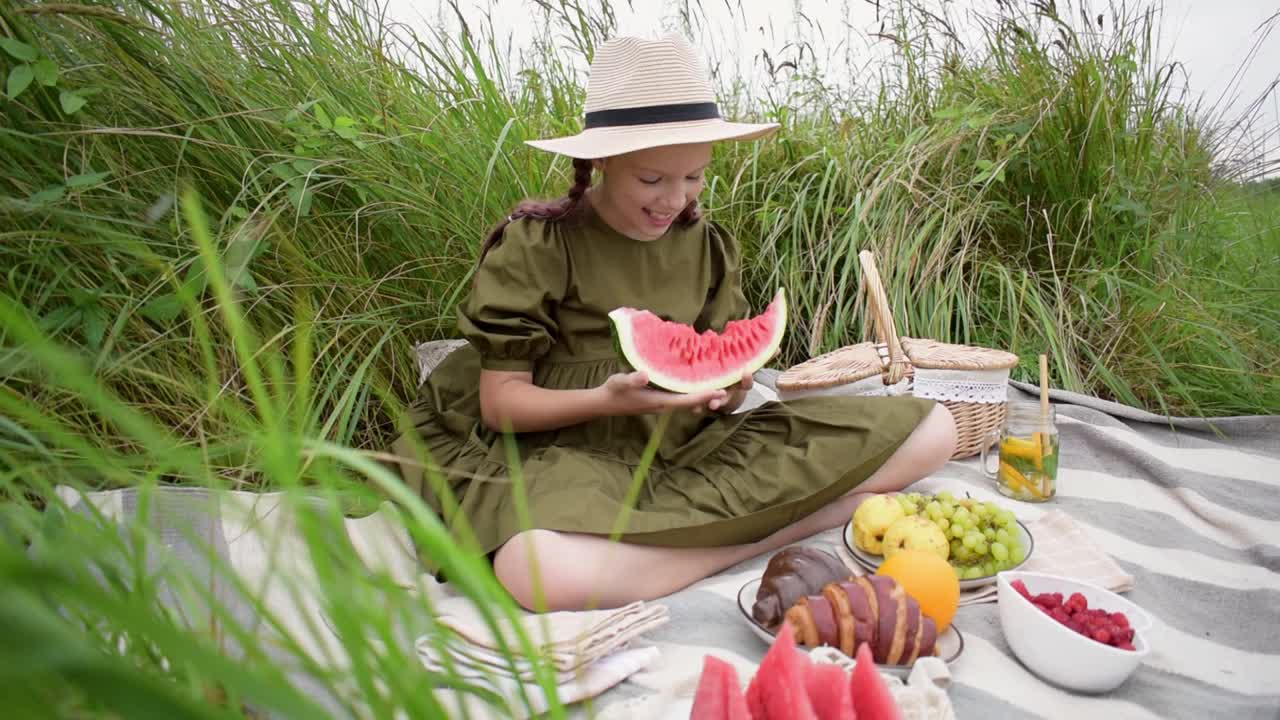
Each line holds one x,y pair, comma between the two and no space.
1211,39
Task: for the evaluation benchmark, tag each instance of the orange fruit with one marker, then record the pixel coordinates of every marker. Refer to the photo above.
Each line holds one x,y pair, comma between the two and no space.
930,580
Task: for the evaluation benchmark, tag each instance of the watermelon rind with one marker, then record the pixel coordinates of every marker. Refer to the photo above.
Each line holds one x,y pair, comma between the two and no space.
627,344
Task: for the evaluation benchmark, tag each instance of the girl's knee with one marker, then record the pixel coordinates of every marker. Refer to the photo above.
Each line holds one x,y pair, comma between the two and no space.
942,436
550,586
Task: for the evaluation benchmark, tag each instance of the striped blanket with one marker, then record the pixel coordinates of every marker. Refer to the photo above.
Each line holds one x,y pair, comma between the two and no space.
1189,508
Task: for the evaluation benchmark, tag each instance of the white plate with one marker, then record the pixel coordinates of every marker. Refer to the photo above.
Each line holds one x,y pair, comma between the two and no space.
873,562
949,644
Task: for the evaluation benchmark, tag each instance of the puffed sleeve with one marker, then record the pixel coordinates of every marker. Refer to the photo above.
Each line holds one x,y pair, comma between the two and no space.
725,298
510,315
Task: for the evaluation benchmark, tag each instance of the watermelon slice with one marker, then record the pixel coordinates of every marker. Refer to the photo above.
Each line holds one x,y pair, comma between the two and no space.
777,692
830,692
719,695
678,358
871,697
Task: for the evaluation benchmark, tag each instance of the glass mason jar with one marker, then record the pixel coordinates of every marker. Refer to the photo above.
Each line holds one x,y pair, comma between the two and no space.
1027,450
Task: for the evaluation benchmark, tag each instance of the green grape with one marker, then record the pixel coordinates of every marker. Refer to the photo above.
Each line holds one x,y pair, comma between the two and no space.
946,496
989,534
983,510
1004,536
942,524
948,510
908,507
999,552
1017,555
915,498
960,514
973,573
982,548
959,571
957,531
934,508
988,568
971,540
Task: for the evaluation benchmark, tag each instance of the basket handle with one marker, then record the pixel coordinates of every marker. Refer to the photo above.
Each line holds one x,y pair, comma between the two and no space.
886,330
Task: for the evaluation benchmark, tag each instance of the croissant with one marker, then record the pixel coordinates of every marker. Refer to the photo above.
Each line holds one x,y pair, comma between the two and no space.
791,574
872,609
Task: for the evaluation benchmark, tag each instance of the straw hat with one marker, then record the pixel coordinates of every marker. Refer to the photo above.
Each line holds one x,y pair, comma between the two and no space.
645,93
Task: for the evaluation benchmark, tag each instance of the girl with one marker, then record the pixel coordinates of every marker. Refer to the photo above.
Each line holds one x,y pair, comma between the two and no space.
540,362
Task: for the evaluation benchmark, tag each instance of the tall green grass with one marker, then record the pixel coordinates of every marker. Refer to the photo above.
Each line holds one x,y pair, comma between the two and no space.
1045,189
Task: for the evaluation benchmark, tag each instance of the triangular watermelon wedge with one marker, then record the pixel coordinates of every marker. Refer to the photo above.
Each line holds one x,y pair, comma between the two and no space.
830,692
871,697
719,695
777,692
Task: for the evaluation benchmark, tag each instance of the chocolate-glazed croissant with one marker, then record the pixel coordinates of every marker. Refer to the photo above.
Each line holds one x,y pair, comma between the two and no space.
870,609
791,574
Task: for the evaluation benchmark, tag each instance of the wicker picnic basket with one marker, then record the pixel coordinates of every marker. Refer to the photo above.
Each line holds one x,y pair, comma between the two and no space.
972,382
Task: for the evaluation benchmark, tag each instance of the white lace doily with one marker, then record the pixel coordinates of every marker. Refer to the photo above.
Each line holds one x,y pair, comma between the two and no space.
922,697
975,386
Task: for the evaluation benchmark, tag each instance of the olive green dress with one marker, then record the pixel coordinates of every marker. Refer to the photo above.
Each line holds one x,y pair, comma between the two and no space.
539,304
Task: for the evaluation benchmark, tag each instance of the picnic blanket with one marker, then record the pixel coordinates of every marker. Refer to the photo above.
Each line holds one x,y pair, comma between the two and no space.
1189,508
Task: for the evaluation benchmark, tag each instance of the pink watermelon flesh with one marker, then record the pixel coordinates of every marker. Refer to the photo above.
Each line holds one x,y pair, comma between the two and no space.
678,358
719,695
871,697
830,692
777,692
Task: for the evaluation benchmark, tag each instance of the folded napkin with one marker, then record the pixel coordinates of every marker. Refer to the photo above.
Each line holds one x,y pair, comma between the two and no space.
1062,547
587,651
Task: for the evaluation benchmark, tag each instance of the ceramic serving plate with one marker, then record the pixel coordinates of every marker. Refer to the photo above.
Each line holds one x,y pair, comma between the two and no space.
949,644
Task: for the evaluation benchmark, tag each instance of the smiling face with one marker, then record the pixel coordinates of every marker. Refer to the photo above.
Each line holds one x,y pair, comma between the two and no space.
643,191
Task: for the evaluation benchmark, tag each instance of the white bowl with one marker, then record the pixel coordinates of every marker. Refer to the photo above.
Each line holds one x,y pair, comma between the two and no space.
1059,654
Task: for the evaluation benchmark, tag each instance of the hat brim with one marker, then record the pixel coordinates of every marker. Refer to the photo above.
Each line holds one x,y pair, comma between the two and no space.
608,141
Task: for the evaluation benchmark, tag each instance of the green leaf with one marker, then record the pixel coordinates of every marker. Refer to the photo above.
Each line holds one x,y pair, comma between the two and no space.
345,127
95,326
82,297
84,180
71,101
51,194
322,117
57,319
301,199
46,72
19,78
245,245
238,212
162,309
18,49
304,166
283,170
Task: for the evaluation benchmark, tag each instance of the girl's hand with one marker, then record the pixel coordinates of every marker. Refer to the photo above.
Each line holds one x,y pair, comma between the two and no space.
627,394
734,398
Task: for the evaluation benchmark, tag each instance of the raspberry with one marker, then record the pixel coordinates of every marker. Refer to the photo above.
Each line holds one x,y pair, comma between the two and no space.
1021,587
1075,614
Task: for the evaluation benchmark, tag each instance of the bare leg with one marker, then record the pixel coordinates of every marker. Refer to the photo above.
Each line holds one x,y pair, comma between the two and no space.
578,571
